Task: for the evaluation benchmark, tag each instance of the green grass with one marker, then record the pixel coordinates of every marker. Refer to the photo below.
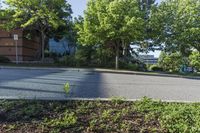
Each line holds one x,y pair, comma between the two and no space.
116,115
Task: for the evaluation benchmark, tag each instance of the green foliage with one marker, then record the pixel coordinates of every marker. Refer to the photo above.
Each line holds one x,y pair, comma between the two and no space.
128,66
117,100
176,25
29,111
83,55
91,56
44,16
67,60
171,62
5,16
10,128
114,23
65,120
86,56
133,67
148,105
173,117
155,67
4,59
146,115
109,19
195,60
67,88
181,118
103,121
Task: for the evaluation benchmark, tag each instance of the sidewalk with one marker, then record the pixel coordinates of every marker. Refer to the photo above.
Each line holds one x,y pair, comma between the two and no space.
100,70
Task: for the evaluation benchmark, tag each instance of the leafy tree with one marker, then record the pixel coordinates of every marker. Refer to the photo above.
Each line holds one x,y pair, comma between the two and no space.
114,23
176,24
195,59
41,15
147,44
5,17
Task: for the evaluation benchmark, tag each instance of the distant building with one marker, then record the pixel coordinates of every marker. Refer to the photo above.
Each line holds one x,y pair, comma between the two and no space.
62,46
27,49
148,59
28,43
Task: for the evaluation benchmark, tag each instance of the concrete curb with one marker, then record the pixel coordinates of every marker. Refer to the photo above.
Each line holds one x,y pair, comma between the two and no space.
47,68
88,99
102,71
152,74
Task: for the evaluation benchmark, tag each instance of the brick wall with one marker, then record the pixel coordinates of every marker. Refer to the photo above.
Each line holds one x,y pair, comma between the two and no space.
27,49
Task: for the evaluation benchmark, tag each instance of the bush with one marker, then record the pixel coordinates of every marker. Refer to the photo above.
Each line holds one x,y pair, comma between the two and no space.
155,68
4,59
171,61
195,60
67,60
128,66
133,67
83,56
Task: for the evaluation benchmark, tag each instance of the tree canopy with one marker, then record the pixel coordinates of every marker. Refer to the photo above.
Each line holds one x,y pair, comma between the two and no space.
115,23
177,24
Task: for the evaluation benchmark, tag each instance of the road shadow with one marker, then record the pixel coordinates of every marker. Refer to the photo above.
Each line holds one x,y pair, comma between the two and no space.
20,83
83,84
88,87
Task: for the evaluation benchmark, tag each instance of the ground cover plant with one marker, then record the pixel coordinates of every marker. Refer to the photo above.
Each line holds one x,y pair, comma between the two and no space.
116,115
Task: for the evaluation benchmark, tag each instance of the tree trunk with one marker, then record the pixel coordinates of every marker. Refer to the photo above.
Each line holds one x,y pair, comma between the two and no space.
43,44
117,57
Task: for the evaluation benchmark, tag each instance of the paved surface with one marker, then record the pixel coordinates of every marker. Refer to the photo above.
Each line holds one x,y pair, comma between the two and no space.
48,84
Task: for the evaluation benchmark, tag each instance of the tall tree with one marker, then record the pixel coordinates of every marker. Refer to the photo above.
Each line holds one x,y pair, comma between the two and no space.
177,24
41,15
147,44
112,22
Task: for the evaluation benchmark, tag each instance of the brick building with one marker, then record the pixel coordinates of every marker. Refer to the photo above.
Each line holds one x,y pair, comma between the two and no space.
28,49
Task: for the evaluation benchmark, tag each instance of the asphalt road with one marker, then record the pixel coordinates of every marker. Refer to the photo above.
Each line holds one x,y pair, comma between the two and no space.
48,84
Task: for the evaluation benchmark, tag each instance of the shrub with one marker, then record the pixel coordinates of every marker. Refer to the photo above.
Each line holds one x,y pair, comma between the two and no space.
133,67
83,55
67,60
128,66
65,120
171,61
4,59
155,68
195,60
